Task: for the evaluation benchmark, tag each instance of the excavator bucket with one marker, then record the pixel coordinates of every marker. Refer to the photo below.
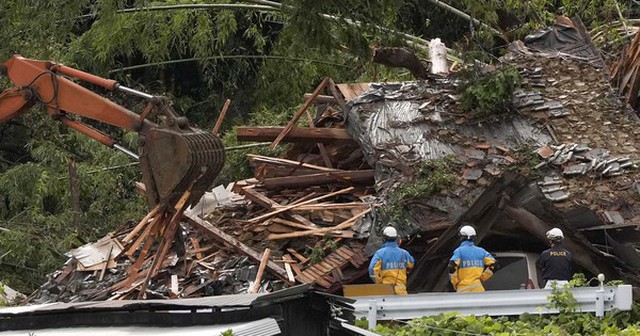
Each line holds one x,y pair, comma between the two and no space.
176,160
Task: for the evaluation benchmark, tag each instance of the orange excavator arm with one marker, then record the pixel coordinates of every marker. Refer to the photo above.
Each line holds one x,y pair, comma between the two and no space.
174,156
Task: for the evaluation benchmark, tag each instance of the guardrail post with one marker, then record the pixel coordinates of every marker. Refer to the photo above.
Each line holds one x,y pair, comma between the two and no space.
600,297
372,316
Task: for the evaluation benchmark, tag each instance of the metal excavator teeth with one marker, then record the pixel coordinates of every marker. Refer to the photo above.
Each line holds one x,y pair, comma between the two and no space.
174,161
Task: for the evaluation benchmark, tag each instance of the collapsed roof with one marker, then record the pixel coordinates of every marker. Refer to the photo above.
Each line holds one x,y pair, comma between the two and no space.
582,139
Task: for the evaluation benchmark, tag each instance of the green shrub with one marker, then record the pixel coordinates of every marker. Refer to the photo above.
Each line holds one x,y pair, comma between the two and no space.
489,93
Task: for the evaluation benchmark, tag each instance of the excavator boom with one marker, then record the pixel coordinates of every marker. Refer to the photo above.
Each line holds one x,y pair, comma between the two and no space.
174,157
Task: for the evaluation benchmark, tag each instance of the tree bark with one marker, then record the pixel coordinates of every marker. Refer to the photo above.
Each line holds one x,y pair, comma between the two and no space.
401,58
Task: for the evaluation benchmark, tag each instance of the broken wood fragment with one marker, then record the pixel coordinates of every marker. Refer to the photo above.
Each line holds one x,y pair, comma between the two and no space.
289,268
223,113
302,181
267,203
263,264
142,224
225,238
348,223
298,256
330,206
335,92
321,99
288,163
299,113
321,147
196,247
289,207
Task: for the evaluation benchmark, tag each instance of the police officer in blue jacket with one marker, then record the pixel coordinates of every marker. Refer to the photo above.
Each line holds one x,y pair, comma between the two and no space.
555,263
390,263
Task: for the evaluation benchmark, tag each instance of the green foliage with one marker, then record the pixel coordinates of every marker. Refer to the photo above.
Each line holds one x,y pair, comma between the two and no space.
578,280
35,203
562,299
227,332
536,14
316,255
526,160
430,178
614,323
329,25
489,93
567,322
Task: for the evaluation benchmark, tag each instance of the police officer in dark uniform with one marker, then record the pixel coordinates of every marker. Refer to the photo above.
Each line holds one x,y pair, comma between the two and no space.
555,262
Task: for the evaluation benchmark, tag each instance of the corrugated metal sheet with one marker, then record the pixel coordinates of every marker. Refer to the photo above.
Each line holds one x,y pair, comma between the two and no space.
263,327
386,120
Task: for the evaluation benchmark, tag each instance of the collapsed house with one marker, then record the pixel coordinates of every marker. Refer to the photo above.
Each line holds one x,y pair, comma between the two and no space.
565,158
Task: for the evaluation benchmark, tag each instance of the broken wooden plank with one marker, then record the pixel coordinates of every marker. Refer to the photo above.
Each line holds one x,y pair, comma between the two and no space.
263,263
297,255
337,94
321,148
288,268
298,134
331,206
223,113
352,90
302,181
349,222
292,206
267,203
299,113
142,223
321,99
258,198
289,163
196,247
223,237
292,224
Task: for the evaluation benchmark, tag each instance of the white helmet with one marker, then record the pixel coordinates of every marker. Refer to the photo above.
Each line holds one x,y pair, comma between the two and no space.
467,232
555,234
390,232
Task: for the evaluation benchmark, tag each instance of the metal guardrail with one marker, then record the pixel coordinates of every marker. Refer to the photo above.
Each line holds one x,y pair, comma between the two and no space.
492,303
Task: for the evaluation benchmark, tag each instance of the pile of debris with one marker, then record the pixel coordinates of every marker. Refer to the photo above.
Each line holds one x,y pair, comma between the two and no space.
300,220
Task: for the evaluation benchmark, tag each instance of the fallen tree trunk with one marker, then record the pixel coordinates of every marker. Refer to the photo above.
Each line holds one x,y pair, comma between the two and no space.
401,58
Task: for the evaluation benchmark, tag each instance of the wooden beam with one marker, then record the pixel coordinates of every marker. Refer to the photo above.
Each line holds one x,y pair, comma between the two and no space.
323,150
223,113
299,113
298,134
333,206
222,237
303,181
289,163
263,263
337,95
267,203
288,267
321,99
142,224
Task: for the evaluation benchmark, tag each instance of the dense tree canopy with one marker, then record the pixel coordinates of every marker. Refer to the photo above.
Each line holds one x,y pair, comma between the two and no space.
262,54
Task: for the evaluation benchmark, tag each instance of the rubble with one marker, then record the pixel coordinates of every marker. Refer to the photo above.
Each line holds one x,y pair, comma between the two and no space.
301,220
